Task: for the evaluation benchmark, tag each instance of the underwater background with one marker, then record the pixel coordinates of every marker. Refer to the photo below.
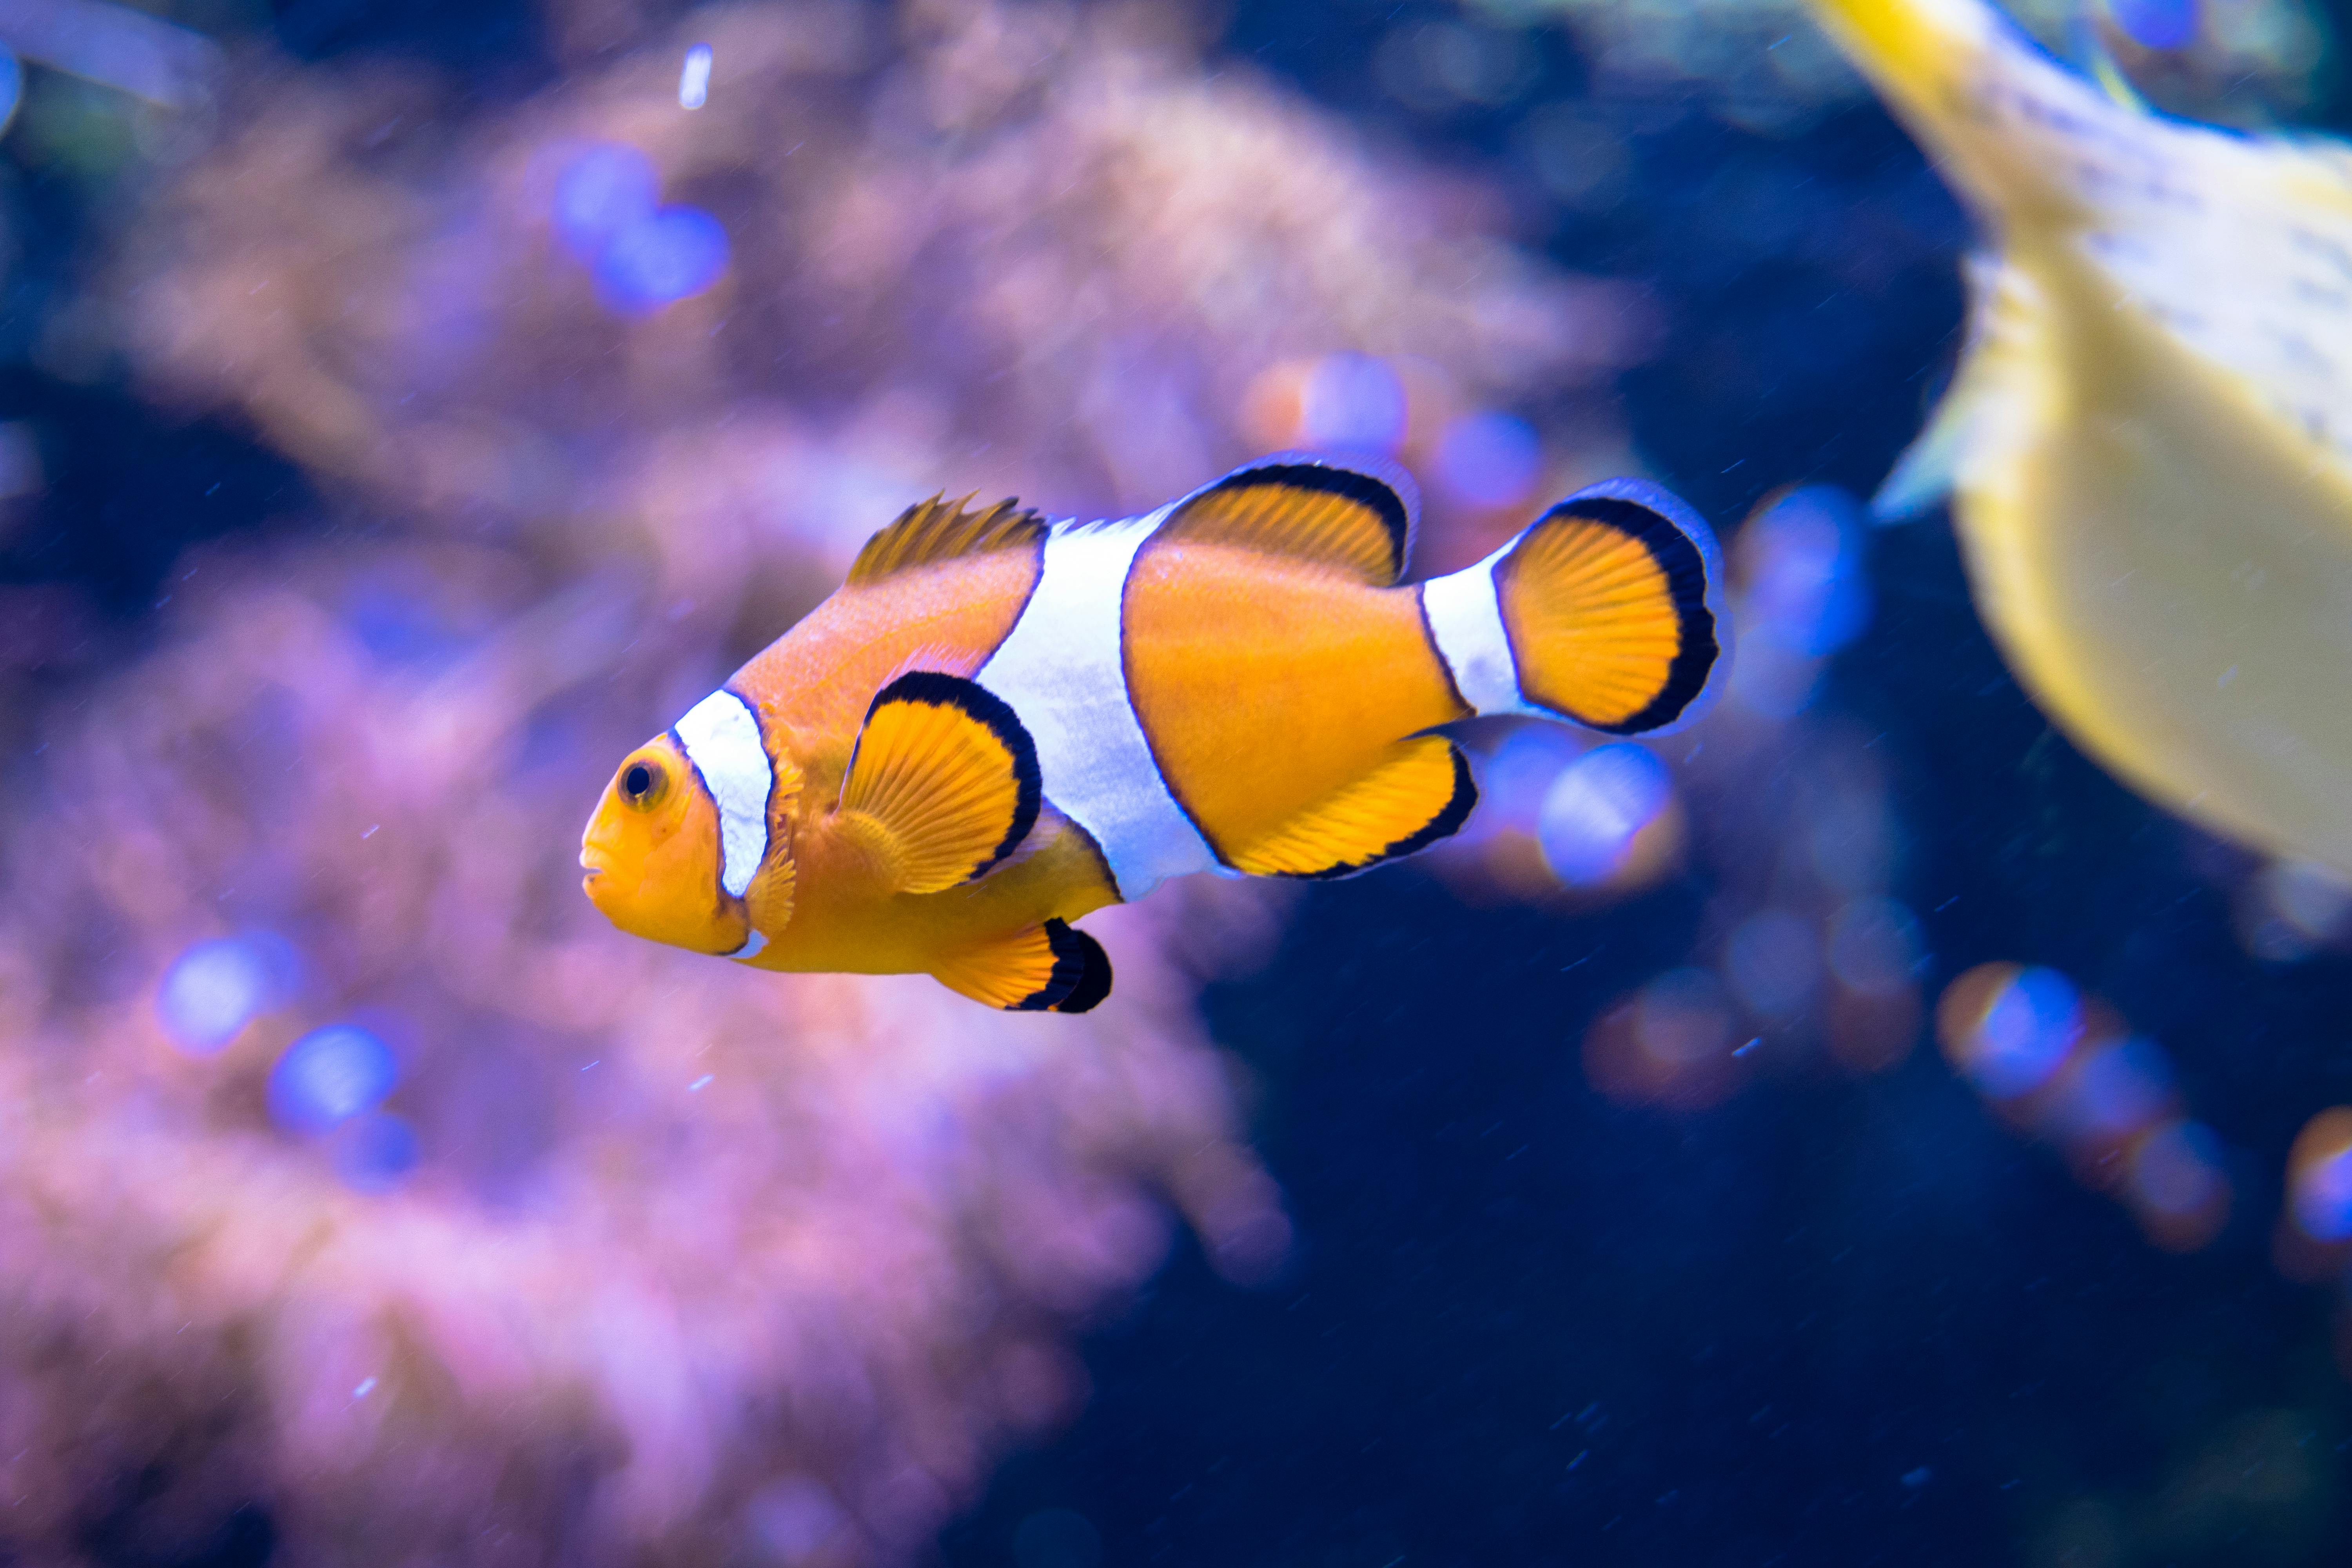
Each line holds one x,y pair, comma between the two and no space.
1856,1130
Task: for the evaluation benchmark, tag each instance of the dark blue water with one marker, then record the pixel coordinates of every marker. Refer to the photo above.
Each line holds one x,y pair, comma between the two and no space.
1831,1322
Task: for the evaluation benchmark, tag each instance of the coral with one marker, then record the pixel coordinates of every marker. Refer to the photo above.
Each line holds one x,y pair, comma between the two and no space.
547,1245
682,1236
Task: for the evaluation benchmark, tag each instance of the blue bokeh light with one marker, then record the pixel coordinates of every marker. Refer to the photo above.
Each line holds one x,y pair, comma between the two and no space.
670,255
330,1075
374,1151
608,187
2028,1032
1810,585
2116,1090
1518,773
1773,961
1595,807
2321,1197
1489,459
2176,1169
12,85
2157,24
1874,945
216,987
1353,402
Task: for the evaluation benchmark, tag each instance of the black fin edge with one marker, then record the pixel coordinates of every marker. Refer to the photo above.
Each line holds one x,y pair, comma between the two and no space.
942,689
1378,492
1684,566
1081,976
1444,824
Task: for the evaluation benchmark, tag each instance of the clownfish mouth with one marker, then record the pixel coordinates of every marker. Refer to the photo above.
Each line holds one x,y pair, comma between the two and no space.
591,865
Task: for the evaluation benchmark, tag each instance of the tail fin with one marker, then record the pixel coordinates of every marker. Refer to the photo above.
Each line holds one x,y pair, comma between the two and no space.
1607,613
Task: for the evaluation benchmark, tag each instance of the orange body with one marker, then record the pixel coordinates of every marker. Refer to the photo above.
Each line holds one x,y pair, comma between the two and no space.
900,784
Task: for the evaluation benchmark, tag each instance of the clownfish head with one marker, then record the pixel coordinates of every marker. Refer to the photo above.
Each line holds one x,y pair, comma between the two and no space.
679,849
654,855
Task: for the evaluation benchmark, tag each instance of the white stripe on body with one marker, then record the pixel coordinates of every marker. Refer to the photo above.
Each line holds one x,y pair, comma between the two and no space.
1464,610
1062,669
722,741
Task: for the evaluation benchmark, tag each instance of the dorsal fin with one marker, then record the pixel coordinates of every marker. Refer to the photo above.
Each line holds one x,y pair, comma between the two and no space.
1302,506
940,530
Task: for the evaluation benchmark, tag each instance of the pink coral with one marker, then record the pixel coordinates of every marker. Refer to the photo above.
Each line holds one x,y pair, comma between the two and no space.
694,1261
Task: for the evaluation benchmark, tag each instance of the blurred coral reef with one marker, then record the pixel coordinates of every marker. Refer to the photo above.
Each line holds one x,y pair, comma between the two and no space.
358,1187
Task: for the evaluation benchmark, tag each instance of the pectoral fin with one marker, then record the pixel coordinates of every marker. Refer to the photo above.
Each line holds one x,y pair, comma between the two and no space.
1050,967
1420,794
943,784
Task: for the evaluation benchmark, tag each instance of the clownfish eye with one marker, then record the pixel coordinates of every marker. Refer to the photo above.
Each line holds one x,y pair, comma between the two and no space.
644,783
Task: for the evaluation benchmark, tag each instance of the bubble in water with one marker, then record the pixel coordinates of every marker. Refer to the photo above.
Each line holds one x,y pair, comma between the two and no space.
1595,807
603,190
1353,402
2157,24
671,254
1489,459
374,1151
330,1075
216,987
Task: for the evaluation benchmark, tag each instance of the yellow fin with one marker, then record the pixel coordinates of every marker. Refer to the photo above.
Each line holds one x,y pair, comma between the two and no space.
1050,967
1306,509
1610,603
769,900
940,530
1420,794
945,775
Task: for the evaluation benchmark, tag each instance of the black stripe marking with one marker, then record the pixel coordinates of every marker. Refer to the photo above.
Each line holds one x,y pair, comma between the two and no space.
1685,568
1444,824
943,690
1080,978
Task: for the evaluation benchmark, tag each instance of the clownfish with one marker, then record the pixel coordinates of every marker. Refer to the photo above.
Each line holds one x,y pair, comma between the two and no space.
999,723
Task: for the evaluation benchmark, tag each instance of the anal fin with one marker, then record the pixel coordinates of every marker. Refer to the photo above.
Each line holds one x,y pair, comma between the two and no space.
1052,967
1420,794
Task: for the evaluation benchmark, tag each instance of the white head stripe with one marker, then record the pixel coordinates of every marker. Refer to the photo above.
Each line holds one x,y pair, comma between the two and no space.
1061,669
722,741
1465,620
751,945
